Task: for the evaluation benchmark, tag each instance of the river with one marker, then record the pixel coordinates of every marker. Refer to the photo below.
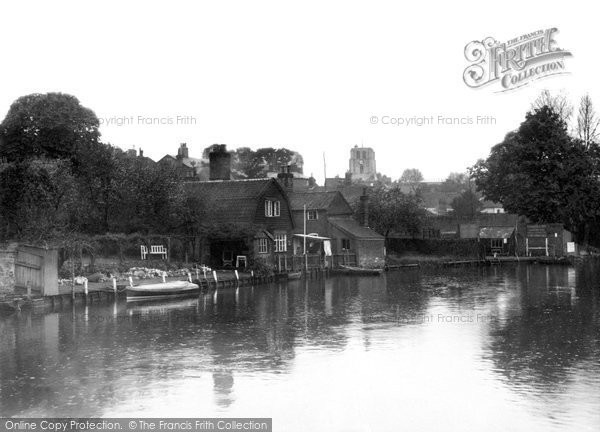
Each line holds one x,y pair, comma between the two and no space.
502,348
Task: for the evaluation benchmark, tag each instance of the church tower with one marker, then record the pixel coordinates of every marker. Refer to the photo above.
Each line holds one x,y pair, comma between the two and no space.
362,163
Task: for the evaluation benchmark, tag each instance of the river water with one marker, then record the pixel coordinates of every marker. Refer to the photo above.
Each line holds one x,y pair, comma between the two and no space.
511,348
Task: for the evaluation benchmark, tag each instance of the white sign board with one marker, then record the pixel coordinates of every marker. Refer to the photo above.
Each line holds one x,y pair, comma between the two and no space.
570,247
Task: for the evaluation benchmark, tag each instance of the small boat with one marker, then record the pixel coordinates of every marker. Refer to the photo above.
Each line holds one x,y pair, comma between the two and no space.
294,275
359,271
161,290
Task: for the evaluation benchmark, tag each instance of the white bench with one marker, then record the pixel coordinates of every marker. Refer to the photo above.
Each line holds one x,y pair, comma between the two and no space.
154,250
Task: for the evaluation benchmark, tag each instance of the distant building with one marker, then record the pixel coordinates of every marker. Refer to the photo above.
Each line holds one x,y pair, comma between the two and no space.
186,166
362,164
491,207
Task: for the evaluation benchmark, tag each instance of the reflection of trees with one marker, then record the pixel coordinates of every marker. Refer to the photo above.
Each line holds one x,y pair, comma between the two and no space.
554,329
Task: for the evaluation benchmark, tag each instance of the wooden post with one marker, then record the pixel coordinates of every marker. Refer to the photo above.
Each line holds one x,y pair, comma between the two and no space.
114,280
546,244
164,279
526,246
85,287
169,251
189,277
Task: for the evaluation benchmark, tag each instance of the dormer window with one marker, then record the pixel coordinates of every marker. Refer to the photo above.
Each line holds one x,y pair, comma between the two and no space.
312,215
272,208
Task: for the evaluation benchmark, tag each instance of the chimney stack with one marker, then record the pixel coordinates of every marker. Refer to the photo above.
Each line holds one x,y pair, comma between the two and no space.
141,153
286,178
219,163
364,208
348,178
182,152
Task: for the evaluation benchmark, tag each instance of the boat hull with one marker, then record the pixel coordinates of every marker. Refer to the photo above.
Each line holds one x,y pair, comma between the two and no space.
358,271
162,290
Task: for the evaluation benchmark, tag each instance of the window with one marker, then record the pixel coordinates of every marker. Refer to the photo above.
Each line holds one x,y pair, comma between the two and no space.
345,244
272,208
280,243
312,215
496,243
263,246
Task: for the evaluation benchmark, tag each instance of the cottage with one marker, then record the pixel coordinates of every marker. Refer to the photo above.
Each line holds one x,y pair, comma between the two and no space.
250,218
333,230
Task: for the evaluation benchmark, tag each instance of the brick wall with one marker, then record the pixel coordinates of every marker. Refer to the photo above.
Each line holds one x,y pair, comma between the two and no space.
7,267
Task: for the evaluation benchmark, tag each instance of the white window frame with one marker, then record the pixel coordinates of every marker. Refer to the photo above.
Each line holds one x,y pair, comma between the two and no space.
280,242
272,208
309,212
268,208
263,246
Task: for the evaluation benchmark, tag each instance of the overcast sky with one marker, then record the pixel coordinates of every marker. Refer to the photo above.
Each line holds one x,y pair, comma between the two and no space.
306,75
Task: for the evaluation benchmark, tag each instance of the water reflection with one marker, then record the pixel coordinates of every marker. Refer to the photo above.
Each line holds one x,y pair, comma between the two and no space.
518,344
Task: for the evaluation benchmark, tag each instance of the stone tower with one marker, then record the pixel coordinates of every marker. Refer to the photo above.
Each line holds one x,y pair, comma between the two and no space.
362,163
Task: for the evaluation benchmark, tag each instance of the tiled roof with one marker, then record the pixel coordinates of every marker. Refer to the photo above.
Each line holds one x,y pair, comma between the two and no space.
495,232
231,201
353,228
312,200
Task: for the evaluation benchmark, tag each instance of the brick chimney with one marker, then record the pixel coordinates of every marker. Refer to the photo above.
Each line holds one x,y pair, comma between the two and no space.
364,208
182,152
141,154
219,163
348,178
286,178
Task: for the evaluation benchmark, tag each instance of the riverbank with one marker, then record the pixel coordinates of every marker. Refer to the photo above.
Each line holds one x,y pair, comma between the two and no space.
408,260
107,290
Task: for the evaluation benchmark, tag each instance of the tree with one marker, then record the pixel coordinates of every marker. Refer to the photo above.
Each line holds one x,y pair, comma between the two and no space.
391,210
540,172
38,198
558,103
466,204
456,182
588,122
411,177
51,125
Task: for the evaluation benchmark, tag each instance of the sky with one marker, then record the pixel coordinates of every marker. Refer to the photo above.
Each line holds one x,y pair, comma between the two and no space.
310,76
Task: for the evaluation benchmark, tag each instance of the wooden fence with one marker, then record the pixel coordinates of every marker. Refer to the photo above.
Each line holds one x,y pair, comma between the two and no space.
313,261
37,268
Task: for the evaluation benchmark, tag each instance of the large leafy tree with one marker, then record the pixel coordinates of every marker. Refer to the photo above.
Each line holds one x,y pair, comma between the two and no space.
391,210
412,178
467,204
51,125
541,172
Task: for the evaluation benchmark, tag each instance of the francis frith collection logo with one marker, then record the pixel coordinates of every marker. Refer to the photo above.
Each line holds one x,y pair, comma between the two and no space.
515,63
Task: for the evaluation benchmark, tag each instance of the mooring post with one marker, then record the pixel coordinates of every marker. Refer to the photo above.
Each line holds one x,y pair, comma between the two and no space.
85,287
237,277
164,277
114,280
189,277
216,279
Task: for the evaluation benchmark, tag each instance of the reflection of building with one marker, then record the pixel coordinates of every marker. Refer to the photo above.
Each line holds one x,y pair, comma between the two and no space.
362,163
